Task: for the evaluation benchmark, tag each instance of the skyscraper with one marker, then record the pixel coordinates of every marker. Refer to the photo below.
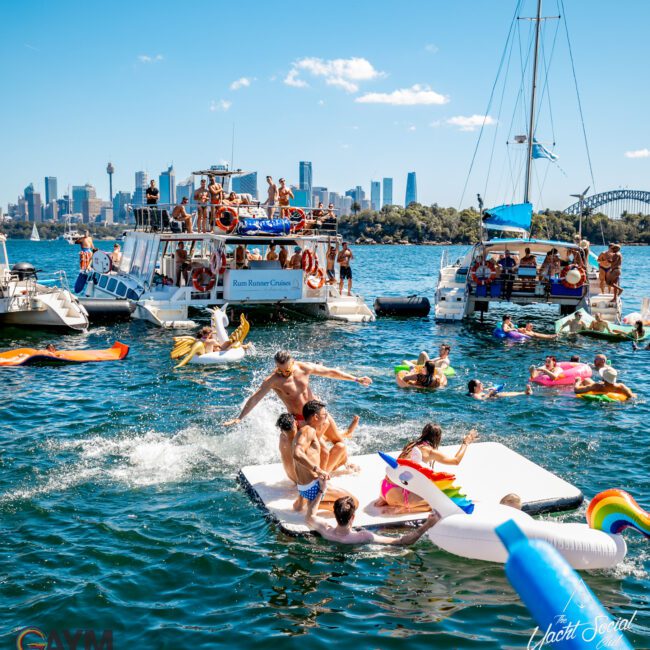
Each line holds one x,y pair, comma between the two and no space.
34,204
375,195
120,201
388,192
185,189
51,193
411,190
81,193
245,184
167,184
141,181
305,177
64,205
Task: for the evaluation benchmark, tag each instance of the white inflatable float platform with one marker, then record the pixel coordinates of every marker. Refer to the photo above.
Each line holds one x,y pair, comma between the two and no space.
488,472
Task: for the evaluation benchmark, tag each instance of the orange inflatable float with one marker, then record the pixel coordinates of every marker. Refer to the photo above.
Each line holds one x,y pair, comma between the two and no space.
25,356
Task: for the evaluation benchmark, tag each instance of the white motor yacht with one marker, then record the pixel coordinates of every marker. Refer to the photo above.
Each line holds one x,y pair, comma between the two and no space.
26,302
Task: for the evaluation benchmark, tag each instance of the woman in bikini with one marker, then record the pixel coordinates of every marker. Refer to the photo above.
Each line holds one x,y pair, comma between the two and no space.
424,450
429,377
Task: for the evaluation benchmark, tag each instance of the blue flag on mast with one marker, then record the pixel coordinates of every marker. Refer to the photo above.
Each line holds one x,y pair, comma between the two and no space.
540,151
516,217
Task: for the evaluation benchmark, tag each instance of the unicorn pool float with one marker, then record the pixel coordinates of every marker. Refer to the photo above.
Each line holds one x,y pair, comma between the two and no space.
192,350
467,528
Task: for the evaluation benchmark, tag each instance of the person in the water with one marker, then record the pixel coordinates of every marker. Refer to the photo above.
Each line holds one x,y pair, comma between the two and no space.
550,369
607,385
441,362
344,511
290,382
476,390
428,377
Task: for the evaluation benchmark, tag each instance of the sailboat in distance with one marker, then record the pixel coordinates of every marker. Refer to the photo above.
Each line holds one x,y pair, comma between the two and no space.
34,236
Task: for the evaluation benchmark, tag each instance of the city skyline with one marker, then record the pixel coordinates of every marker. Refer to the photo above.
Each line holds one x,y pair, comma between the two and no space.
357,111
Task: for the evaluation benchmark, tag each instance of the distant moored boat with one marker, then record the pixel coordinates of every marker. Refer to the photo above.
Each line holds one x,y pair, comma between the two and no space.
34,236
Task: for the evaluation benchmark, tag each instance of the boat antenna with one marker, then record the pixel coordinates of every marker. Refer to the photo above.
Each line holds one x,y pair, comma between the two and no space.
531,124
581,198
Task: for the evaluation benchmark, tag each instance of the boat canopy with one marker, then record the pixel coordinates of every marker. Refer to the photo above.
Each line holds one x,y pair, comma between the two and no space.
515,217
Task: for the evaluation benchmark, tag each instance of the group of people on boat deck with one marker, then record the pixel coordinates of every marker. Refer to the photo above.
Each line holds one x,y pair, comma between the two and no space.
210,197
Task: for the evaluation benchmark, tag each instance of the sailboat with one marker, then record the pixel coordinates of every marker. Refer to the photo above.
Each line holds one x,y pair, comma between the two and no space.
34,236
521,270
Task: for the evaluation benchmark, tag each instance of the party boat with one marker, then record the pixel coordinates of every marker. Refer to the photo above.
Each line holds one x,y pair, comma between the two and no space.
560,273
215,274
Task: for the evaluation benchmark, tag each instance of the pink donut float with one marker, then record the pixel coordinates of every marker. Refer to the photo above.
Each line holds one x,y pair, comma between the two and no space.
570,372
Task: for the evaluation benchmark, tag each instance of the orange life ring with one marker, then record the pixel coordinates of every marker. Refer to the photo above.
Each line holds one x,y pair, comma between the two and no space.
479,275
197,277
565,272
297,218
308,261
316,279
222,211
218,263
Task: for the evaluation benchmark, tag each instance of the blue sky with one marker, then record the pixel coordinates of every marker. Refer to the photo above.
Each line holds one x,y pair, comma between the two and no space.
362,89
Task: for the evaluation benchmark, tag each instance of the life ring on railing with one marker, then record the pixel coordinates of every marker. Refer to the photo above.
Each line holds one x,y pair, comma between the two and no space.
575,270
297,218
483,272
218,263
199,282
308,262
230,214
315,279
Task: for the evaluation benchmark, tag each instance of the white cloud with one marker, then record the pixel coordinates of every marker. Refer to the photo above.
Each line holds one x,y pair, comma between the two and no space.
321,102
292,79
345,146
146,58
417,95
470,122
639,153
412,128
430,48
242,82
344,73
221,105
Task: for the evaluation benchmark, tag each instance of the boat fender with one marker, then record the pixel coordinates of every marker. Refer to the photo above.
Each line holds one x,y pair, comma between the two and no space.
418,306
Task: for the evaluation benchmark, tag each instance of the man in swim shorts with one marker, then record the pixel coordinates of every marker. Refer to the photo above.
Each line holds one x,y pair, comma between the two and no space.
86,253
344,511
345,271
332,253
307,453
607,385
290,382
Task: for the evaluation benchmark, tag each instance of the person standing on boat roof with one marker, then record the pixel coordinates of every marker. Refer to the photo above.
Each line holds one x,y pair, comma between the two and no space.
271,197
345,271
202,196
216,199
180,214
284,195
152,193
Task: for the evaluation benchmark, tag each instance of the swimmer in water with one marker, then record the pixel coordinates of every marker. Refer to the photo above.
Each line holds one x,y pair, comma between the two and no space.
344,511
429,377
574,325
550,369
441,362
529,331
607,385
476,390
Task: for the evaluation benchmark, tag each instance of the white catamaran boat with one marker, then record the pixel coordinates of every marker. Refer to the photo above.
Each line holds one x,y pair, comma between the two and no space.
70,234
25,302
539,271
218,267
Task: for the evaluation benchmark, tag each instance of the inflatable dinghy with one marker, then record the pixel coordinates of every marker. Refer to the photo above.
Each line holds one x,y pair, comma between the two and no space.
26,356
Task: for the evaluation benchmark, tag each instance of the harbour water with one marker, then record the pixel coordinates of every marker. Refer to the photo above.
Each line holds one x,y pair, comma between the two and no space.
120,508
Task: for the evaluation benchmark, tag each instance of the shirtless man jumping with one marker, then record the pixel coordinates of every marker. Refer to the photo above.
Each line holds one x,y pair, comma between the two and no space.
307,451
290,381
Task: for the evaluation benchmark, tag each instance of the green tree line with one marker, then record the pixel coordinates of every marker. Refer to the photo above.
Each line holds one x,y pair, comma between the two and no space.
420,224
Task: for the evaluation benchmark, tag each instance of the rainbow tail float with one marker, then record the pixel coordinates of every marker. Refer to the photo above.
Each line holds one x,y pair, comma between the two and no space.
613,510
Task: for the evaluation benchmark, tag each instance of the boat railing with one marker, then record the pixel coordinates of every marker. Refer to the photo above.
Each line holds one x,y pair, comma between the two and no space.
302,220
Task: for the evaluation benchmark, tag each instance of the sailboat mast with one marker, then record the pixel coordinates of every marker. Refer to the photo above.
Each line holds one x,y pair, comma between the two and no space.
531,124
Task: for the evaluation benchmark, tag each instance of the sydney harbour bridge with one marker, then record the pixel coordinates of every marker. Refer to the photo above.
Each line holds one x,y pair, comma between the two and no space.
613,203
